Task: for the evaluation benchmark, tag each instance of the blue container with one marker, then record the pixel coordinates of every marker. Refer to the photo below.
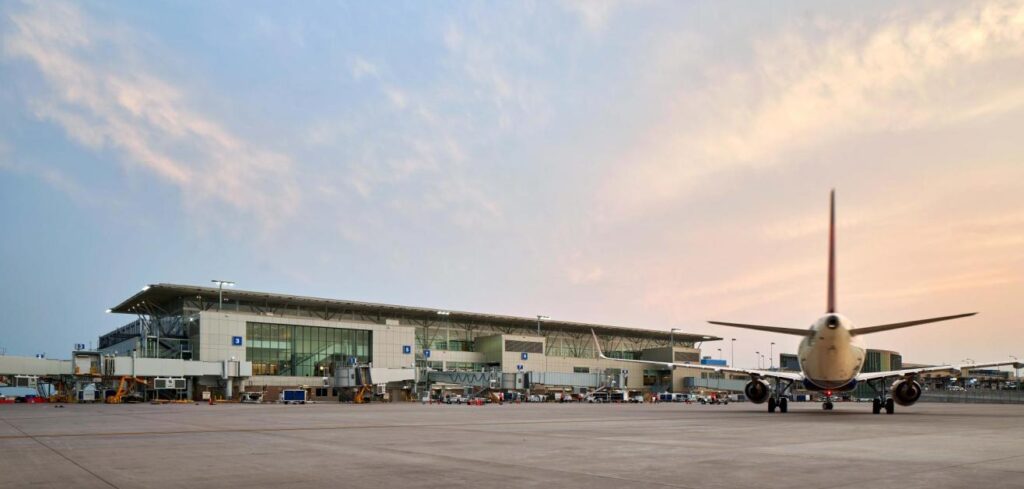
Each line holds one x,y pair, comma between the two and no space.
294,395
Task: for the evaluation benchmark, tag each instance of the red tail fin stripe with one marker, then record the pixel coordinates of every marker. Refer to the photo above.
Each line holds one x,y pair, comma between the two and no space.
832,254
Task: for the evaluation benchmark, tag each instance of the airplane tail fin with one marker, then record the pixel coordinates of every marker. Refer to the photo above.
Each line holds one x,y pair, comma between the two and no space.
832,254
905,324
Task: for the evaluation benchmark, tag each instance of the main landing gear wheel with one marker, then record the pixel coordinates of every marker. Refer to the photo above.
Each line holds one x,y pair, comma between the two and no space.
771,404
890,406
876,406
783,405
827,406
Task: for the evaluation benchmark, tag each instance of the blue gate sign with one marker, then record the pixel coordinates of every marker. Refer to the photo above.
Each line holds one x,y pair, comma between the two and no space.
519,367
406,349
525,356
426,353
236,340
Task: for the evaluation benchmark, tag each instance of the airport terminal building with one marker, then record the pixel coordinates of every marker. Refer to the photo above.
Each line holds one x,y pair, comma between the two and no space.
247,340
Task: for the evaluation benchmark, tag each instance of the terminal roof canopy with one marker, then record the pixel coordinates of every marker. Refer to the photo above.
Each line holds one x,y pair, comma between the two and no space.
159,294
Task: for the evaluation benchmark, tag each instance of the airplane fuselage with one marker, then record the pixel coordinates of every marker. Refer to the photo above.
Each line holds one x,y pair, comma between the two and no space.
830,357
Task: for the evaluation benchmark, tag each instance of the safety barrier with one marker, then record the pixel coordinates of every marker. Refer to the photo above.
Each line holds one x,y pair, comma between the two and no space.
979,396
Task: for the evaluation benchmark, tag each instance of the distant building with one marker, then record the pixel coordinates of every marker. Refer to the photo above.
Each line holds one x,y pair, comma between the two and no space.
266,340
876,361
788,361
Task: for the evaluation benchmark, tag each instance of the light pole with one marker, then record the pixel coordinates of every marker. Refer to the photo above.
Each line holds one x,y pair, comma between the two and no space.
771,356
1016,371
757,357
719,353
220,291
762,360
539,319
732,356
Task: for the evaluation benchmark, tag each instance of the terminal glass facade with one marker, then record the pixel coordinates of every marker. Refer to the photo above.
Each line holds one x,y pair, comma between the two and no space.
303,351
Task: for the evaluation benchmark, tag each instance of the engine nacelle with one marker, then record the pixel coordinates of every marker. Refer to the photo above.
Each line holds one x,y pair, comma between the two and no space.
757,391
905,392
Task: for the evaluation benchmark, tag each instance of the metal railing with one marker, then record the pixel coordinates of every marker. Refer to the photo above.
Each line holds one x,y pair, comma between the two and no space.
980,396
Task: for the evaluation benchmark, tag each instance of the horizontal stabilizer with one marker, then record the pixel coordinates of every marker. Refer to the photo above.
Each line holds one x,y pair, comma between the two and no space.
773,329
905,324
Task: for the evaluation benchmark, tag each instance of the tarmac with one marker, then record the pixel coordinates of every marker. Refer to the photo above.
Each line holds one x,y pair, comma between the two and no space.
527,445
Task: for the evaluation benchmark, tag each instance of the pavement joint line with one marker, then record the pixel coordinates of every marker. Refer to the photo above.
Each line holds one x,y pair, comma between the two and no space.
61,455
386,448
311,428
207,429
711,451
941,468
522,466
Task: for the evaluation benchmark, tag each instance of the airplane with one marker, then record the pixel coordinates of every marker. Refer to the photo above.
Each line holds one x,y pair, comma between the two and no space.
831,356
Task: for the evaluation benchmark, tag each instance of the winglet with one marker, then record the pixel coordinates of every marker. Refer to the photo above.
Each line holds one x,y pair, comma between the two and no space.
597,344
832,254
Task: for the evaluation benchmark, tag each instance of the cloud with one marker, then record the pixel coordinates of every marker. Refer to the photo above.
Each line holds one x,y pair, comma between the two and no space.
105,97
595,14
397,97
974,280
491,62
805,90
362,68
55,179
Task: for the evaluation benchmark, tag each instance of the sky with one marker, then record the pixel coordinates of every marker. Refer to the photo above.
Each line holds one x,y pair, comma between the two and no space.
636,163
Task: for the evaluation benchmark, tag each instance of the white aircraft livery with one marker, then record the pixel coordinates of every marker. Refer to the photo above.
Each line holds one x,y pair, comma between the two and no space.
831,356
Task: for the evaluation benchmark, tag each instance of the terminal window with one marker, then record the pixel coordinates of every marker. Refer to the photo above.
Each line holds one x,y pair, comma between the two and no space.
304,351
524,346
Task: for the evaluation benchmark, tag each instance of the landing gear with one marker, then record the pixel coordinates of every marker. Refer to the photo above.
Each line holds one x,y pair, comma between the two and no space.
827,405
882,401
878,404
778,398
782,404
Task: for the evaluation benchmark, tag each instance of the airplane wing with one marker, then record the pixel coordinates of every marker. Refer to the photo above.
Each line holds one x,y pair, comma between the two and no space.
905,324
772,329
796,377
940,368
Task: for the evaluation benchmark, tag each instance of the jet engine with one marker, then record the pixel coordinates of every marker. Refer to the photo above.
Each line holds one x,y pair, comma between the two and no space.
757,391
905,392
